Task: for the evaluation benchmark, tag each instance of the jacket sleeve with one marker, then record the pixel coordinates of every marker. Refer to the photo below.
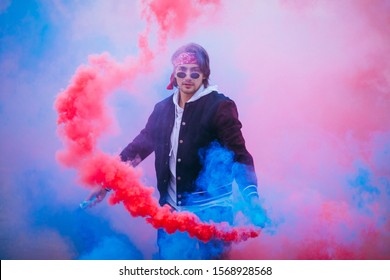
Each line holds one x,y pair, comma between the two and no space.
229,133
143,144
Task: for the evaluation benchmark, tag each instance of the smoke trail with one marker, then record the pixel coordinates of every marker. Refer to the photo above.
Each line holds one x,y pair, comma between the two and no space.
83,118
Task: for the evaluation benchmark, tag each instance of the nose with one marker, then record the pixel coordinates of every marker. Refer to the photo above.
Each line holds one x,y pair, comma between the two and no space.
188,74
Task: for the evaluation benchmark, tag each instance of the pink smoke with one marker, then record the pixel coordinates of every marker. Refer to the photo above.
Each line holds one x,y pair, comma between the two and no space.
174,17
311,81
316,114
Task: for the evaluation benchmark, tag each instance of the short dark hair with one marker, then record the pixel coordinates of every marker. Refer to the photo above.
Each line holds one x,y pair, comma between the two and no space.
201,56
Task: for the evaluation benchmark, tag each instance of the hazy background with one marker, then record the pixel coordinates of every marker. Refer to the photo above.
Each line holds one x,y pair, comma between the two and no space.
311,80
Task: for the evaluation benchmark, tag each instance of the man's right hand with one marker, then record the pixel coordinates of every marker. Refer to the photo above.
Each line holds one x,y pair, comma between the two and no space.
95,196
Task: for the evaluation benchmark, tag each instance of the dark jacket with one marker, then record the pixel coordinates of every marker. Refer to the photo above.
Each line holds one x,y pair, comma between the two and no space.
212,118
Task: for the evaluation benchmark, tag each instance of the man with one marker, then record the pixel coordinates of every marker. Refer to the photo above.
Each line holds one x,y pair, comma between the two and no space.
186,131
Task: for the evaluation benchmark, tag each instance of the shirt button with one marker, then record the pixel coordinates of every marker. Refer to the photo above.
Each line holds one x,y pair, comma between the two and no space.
179,203
179,196
179,160
181,141
183,123
179,178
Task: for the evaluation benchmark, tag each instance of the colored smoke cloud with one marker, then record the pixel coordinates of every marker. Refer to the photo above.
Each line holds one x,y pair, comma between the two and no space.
82,119
311,82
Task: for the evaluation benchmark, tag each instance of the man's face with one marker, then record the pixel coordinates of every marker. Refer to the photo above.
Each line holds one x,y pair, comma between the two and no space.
189,78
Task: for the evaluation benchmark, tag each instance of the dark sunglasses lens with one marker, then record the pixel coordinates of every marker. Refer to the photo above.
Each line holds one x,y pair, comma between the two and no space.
181,75
195,75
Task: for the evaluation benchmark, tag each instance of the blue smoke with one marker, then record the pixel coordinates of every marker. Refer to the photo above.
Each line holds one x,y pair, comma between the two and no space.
42,227
365,192
217,169
113,248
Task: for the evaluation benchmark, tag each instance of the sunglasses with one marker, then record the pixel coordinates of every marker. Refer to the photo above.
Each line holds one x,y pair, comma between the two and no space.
193,75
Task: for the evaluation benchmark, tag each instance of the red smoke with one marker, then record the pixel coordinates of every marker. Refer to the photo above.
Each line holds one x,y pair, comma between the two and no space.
173,17
83,117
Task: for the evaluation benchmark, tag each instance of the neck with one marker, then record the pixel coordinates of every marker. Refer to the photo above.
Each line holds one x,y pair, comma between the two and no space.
183,98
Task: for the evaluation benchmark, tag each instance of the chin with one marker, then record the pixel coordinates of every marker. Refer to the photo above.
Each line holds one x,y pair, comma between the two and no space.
189,91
